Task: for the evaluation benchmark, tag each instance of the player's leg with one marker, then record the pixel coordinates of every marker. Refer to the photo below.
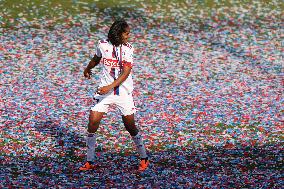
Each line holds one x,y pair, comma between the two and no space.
129,123
93,125
127,108
95,118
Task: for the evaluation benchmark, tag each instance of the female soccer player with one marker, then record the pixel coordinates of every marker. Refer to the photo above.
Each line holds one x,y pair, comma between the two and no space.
115,87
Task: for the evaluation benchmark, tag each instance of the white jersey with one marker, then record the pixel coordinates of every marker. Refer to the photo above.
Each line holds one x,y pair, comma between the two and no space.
113,59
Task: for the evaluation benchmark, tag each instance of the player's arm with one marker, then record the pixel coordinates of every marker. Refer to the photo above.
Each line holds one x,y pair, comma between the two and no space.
127,66
93,62
121,78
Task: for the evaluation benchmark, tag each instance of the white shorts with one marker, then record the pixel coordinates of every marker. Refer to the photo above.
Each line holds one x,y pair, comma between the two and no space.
124,103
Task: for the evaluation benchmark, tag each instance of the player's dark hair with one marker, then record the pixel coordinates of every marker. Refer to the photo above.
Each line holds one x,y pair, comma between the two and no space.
115,32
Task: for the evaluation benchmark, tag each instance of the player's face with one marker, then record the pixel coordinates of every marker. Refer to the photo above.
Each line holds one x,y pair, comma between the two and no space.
125,35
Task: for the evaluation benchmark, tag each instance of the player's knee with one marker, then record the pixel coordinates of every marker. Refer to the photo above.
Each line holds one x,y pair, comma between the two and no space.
94,121
93,126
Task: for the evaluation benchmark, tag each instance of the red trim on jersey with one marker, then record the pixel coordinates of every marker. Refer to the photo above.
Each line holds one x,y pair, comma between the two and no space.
128,64
116,90
120,60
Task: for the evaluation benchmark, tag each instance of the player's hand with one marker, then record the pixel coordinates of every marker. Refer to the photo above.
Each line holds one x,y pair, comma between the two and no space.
104,90
87,73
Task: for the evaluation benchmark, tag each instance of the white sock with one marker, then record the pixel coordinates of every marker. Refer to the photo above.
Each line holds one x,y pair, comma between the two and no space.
139,145
91,141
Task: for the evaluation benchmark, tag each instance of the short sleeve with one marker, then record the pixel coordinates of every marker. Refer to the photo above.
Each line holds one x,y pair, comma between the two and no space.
129,58
98,50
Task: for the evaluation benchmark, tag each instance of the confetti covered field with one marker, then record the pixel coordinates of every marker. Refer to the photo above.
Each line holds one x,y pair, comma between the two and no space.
208,80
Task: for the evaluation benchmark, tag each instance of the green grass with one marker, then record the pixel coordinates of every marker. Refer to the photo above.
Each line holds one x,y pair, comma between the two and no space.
62,11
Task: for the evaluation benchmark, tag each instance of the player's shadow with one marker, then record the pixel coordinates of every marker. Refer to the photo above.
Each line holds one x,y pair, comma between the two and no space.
241,167
61,135
212,158
67,143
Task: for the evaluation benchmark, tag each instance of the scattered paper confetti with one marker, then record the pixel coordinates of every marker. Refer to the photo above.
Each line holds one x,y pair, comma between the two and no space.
208,89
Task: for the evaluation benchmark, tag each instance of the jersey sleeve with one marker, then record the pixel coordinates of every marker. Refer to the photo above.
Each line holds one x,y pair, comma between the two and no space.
129,58
98,50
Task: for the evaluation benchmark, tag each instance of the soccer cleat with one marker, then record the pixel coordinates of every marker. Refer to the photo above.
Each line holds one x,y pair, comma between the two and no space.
144,163
87,167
